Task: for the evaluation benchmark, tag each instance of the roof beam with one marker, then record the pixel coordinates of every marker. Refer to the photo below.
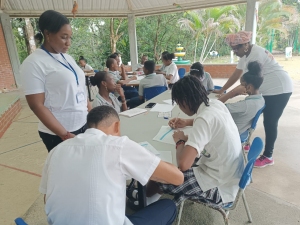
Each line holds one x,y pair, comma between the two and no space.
2,4
129,3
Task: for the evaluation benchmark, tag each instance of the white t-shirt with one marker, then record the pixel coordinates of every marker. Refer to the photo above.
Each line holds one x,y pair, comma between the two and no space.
84,178
217,141
276,80
172,69
244,111
87,67
43,74
152,80
207,82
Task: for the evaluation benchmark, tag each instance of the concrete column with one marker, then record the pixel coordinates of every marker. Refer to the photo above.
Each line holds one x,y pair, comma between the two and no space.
251,18
11,46
132,41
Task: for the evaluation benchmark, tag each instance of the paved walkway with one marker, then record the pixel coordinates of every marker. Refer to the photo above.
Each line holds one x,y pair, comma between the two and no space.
274,197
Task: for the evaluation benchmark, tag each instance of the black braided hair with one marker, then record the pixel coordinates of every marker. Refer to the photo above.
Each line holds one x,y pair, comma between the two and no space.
190,91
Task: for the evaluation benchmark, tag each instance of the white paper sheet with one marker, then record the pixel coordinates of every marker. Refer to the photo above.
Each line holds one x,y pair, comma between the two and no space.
149,147
166,156
169,101
162,108
140,77
165,134
165,114
133,112
134,82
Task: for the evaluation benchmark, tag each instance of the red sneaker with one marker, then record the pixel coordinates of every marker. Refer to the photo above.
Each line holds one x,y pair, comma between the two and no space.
263,161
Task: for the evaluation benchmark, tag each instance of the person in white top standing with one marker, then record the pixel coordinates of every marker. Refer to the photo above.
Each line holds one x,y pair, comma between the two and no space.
171,69
84,66
276,88
54,84
84,178
214,143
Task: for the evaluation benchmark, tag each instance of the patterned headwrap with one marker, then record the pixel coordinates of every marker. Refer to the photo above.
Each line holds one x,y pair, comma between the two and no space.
241,37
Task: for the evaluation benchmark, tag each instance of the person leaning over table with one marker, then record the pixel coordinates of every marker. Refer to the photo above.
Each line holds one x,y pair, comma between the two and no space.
171,69
151,80
276,88
214,141
84,178
84,66
162,69
107,86
54,84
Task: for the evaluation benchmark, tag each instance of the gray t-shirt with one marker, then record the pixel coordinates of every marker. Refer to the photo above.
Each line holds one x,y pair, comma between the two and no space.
152,80
244,111
206,81
99,100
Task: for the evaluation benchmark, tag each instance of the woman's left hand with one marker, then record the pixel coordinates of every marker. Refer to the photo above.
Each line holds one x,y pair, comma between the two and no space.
179,135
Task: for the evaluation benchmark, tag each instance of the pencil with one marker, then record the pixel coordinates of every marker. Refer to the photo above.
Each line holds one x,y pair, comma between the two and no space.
176,119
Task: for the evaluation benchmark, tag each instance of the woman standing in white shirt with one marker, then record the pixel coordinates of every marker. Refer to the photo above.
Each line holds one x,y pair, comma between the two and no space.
54,84
171,69
107,86
276,88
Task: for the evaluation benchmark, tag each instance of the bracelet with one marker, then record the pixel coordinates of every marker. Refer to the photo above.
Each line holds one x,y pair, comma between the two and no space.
67,136
180,142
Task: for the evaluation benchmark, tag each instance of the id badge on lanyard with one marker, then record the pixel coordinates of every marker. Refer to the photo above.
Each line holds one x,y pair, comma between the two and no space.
80,97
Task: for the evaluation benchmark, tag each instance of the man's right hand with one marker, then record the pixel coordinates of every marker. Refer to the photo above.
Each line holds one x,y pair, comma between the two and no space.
177,123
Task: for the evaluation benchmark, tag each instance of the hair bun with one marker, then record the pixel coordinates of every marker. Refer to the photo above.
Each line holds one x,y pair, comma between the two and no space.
254,68
39,37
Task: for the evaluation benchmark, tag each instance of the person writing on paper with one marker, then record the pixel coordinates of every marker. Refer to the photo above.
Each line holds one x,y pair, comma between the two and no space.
162,69
214,140
84,178
171,69
84,66
244,111
205,78
276,88
107,86
54,84
151,80
141,65
112,65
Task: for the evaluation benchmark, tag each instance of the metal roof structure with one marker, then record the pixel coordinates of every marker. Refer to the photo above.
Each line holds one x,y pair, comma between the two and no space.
107,8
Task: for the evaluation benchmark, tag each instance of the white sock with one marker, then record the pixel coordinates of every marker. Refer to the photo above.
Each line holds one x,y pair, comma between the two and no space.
270,158
153,198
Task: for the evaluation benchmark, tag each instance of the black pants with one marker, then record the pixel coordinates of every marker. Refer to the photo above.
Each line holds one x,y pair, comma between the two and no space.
275,105
52,141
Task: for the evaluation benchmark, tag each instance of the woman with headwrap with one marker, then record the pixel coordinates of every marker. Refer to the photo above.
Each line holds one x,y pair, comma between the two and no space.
276,88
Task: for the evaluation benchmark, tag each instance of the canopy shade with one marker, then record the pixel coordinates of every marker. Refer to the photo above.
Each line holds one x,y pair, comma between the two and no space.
107,8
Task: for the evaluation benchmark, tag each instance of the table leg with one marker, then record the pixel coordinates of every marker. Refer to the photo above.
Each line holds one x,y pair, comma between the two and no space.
142,195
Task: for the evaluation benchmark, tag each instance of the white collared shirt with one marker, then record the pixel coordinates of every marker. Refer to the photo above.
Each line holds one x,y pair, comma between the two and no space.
84,178
172,69
244,111
99,100
217,141
152,80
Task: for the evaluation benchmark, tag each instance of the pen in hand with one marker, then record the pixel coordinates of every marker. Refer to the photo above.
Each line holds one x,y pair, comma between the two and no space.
174,123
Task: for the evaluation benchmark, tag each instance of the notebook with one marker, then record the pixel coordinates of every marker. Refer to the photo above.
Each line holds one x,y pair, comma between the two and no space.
132,112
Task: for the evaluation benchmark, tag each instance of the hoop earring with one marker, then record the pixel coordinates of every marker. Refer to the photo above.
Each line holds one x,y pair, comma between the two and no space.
246,50
106,88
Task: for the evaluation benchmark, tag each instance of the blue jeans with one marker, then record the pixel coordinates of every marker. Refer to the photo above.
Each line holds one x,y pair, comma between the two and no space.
130,92
162,212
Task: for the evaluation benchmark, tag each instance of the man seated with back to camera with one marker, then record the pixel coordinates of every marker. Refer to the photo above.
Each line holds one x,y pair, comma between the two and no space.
84,178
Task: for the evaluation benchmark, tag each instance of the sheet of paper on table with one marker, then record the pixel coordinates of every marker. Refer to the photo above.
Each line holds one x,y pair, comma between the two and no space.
165,134
134,82
169,101
140,77
166,156
149,147
165,114
133,112
162,108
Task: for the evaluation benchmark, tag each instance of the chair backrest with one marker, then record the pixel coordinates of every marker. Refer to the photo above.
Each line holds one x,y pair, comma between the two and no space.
151,92
181,72
20,221
245,179
255,149
255,119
